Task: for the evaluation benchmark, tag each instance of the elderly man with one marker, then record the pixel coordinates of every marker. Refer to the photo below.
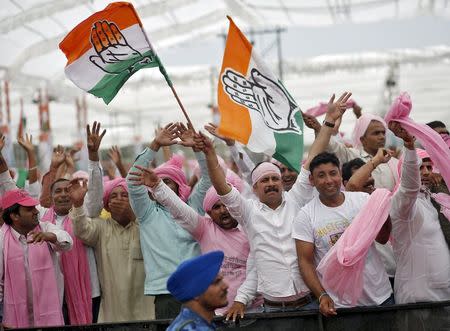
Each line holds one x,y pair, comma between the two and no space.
216,231
199,285
29,271
165,244
423,257
268,224
117,250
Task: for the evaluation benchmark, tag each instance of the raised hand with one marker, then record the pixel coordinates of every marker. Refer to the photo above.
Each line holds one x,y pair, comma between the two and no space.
166,136
26,143
382,156
114,54
77,191
311,122
115,155
186,135
264,95
58,157
398,130
144,177
94,139
337,108
203,143
214,130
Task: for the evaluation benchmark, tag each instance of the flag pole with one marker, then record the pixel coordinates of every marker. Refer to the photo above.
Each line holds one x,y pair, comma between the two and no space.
169,82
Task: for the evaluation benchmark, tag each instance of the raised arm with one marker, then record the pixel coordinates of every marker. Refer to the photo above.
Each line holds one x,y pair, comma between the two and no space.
27,144
359,179
58,158
94,196
6,182
335,111
405,198
139,199
86,229
116,157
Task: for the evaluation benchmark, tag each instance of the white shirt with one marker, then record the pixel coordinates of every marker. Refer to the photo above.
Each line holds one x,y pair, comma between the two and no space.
270,237
423,258
384,178
323,225
63,243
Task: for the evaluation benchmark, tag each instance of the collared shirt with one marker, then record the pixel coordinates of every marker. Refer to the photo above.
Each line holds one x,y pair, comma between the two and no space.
63,243
120,266
188,320
423,258
232,242
165,244
269,233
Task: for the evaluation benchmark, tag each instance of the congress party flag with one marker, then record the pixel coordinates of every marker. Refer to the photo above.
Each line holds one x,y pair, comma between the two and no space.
106,49
255,108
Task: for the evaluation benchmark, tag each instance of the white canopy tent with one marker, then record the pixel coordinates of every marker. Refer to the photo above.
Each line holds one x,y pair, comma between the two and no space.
404,40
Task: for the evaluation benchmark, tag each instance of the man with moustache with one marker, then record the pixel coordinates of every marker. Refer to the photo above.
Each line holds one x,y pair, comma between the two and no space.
268,224
216,231
198,284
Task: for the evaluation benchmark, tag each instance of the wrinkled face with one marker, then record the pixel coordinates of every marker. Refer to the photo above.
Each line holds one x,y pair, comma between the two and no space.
288,177
369,185
171,183
374,138
269,189
426,169
61,198
327,179
27,218
220,215
216,294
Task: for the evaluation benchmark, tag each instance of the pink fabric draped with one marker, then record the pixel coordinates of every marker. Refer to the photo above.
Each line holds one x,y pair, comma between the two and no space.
430,139
77,279
176,160
211,196
177,175
444,200
111,185
341,269
361,126
323,107
46,304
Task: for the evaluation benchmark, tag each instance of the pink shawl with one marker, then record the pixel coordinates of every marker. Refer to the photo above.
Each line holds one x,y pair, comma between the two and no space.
323,107
430,139
342,267
77,279
46,304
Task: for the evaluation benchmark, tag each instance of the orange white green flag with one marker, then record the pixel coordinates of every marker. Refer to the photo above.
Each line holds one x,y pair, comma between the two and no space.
106,49
255,107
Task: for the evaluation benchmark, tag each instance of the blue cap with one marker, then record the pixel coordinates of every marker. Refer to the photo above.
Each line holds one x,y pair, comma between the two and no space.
194,276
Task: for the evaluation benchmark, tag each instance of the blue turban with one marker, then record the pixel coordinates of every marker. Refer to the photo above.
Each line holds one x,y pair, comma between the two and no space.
194,276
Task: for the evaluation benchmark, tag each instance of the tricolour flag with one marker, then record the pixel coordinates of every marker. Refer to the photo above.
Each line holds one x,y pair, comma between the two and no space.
255,108
107,48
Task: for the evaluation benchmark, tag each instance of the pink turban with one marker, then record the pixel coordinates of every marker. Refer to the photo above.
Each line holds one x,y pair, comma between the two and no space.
264,169
323,107
176,160
212,197
177,175
80,174
361,126
111,185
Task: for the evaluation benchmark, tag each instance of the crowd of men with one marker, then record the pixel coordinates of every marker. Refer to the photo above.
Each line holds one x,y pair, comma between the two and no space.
84,247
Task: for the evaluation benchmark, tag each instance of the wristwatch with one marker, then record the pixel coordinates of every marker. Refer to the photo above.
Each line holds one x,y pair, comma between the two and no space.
329,124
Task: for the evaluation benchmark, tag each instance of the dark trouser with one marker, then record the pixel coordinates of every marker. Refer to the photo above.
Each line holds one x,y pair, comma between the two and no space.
95,308
166,306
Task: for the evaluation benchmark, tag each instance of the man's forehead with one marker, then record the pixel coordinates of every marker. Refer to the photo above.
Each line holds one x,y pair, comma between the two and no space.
375,125
327,167
61,184
118,189
270,175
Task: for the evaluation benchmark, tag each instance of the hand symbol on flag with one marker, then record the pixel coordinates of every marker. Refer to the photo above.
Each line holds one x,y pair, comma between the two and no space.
114,54
263,95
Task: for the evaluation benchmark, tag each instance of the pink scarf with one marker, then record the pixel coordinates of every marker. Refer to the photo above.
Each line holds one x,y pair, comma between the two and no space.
342,267
323,107
430,139
77,279
46,304
177,175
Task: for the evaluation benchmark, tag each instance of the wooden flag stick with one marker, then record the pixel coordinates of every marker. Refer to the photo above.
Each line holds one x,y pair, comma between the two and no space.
169,82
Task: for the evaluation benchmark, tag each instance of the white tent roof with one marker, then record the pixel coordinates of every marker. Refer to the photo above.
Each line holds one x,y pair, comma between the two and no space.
408,40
